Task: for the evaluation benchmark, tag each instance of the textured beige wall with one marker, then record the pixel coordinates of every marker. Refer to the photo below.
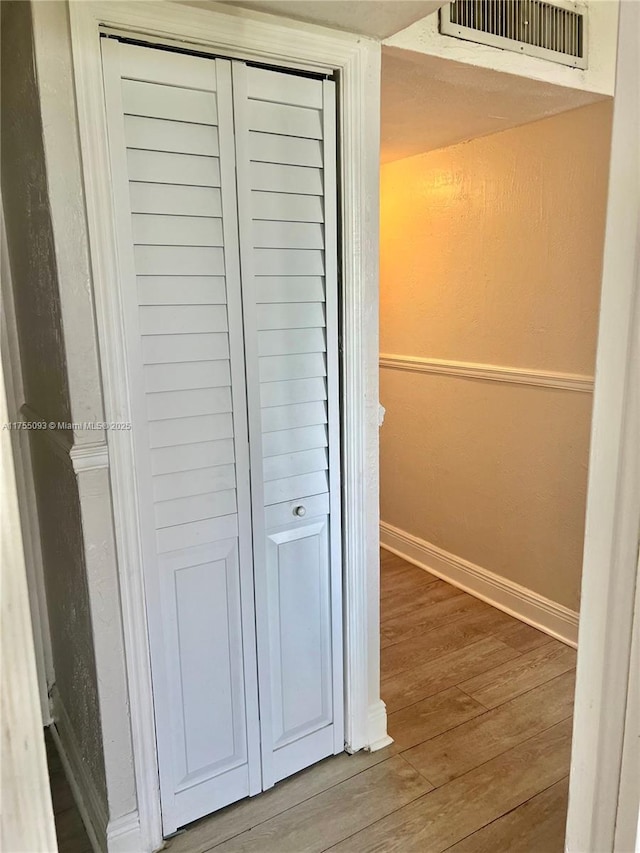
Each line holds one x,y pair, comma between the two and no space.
491,253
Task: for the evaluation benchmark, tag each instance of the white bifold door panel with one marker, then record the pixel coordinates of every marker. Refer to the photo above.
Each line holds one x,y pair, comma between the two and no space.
285,150
224,190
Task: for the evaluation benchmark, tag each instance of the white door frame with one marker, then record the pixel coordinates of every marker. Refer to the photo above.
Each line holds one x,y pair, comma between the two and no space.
613,499
356,59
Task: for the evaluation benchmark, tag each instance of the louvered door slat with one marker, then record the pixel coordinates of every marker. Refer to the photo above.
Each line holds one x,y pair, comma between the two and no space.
179,137
287,235
291,315
278,178
286,207
290,341
174,319
167,349
162,167
149,99
181,200
181,290
284,119
290,150
199,401
308,288
194,508
181,484
189,374
168,433
179,260
291,464
289,391
172,159
187,457
165,229
282,88
289,367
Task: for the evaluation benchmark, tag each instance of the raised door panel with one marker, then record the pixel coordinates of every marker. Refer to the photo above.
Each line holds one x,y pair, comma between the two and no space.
172,156
299,601
285,148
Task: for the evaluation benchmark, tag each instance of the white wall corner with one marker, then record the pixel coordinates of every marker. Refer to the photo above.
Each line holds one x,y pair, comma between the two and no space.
90,803
554,619
378,736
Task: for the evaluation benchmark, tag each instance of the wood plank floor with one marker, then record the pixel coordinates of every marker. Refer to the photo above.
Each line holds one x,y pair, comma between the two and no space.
480,709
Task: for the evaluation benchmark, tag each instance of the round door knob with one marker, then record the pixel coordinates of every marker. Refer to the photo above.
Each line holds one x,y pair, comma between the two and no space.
299,511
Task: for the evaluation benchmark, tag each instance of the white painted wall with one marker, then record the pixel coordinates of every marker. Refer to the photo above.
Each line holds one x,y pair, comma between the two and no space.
26,820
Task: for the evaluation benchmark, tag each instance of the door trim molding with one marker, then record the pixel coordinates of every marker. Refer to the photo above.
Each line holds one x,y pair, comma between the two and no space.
357,62
610,568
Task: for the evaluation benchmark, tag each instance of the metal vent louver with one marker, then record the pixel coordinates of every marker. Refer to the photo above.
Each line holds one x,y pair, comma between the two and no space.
555,31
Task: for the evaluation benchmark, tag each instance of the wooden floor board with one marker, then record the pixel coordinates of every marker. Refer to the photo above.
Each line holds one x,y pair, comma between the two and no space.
327,818
472,743
469,654
415,624
430,717
520,674
403,582
537,826
233,820
523,637
448,814
479,707
407,602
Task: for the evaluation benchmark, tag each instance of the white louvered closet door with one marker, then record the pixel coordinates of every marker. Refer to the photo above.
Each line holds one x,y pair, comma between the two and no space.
170,125
286,162
224,187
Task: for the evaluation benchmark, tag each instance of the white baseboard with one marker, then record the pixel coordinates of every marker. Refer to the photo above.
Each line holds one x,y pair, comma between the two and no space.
377,727
121,835
92,808
530,607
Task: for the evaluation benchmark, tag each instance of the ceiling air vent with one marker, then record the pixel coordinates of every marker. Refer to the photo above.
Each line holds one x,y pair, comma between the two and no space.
555,31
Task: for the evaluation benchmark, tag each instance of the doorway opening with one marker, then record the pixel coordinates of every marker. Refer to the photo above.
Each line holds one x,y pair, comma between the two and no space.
493,202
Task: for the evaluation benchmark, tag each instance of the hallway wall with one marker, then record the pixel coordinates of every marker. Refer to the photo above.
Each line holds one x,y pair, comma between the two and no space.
491,255
36,291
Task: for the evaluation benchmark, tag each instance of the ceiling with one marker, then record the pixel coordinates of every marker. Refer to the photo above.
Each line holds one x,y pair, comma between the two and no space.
429,102
376,18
